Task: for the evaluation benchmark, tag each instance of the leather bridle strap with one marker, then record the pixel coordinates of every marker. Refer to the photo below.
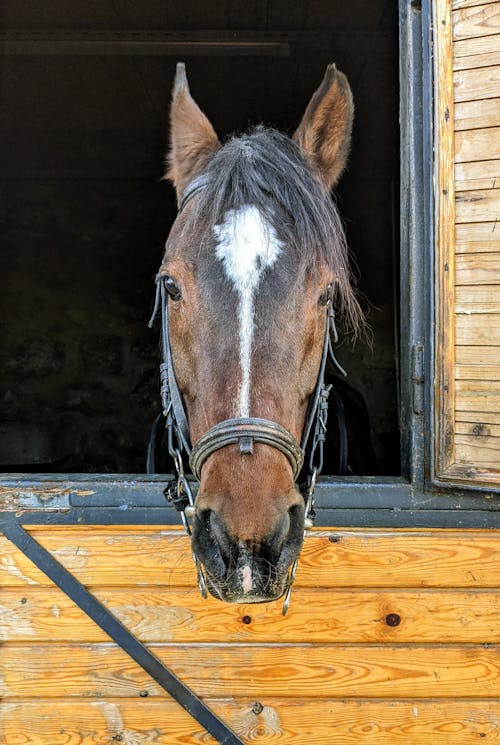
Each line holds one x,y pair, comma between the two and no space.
244,432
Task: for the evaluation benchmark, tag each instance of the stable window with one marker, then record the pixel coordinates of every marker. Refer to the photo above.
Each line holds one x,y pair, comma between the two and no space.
84,130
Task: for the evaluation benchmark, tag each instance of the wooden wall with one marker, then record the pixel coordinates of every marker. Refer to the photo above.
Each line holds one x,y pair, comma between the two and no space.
468,241
391,638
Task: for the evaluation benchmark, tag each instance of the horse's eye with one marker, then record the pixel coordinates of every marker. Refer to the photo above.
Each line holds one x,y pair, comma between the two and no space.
326,295
172,289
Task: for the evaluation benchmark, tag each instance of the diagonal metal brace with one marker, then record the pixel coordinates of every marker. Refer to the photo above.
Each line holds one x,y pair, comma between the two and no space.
184,696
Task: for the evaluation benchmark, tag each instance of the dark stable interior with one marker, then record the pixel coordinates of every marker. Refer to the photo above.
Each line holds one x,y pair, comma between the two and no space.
85,214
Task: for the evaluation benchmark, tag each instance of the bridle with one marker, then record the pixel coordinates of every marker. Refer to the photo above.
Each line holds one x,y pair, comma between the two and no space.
244,431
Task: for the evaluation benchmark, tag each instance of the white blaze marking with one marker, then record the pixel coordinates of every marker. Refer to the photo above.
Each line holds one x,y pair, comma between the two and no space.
247,245
247,579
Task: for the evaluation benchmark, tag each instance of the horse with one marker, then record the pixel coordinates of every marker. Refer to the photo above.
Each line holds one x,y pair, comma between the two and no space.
255,266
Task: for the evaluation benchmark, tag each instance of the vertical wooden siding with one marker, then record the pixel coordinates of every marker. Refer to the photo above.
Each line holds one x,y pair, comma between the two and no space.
467,35
392,638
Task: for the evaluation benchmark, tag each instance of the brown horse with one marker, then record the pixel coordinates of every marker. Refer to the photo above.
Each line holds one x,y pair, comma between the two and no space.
255,256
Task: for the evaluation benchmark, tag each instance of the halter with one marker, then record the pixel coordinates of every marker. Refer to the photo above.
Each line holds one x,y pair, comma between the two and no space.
244,431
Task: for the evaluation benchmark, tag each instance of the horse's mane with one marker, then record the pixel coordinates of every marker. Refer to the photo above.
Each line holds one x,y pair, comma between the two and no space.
266,169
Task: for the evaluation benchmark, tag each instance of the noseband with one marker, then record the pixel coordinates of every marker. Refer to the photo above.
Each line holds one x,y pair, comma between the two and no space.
244,431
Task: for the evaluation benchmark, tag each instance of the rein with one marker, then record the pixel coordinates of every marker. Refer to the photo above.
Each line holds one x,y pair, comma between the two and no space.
243,431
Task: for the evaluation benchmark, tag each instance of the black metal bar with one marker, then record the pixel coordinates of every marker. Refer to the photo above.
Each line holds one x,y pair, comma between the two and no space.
118,633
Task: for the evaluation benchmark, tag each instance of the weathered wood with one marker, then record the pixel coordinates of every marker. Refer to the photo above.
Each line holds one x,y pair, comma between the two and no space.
288,721
477,84
483,418
357,558
478,237
477,52
479,403
484,451
337,671
477,144
483,356
482,20
445,234
477,114
479,269
456,4
482,174
478,429
353,616
477,206
478,329
478,299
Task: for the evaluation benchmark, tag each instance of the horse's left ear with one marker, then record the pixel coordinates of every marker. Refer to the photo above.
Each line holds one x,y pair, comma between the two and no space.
324,134
192,137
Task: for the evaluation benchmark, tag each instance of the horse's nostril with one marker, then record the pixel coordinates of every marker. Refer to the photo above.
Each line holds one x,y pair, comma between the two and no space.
210,543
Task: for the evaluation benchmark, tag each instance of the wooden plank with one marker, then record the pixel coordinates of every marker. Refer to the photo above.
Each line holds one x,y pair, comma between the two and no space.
477,84
478,237
302,721
482,356
478,269
477,114
477,403
478,205
482,451
358,558
478,299
478,429
481,20
456,4
169,616
482,174
482,418
336,671
477,144
444,180
478,52
478,329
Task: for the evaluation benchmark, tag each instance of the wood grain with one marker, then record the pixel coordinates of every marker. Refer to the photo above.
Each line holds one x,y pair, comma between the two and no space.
358,558
478,205
477,52
477,237
477,114
169,616
478,299
486,356
482,20
288,721
477,144
477,84
484,418
105,671
478,429
481,174
479,269
483,451
477,329
444,179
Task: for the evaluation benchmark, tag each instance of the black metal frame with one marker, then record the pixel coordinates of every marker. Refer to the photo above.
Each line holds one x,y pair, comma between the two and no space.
409,501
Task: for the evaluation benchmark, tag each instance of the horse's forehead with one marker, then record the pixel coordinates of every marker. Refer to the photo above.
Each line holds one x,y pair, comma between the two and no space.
247,244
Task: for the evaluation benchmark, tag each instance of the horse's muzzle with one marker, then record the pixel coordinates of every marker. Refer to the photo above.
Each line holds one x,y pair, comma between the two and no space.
247,571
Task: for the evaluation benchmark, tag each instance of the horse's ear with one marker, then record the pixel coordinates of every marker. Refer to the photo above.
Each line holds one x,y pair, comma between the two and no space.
192,137
324,134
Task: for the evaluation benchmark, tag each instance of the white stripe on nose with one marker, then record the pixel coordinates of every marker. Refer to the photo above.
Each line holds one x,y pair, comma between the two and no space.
247,245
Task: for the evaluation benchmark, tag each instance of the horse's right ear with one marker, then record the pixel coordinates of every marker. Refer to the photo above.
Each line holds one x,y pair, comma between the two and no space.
324,134
192,137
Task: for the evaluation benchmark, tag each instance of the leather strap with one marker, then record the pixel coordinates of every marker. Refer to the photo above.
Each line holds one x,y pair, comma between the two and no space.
245,432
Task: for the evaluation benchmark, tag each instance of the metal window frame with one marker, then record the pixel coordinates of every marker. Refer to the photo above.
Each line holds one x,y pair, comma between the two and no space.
410,500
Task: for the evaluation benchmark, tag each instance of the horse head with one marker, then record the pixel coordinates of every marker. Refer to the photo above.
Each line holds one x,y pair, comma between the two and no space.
254,258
